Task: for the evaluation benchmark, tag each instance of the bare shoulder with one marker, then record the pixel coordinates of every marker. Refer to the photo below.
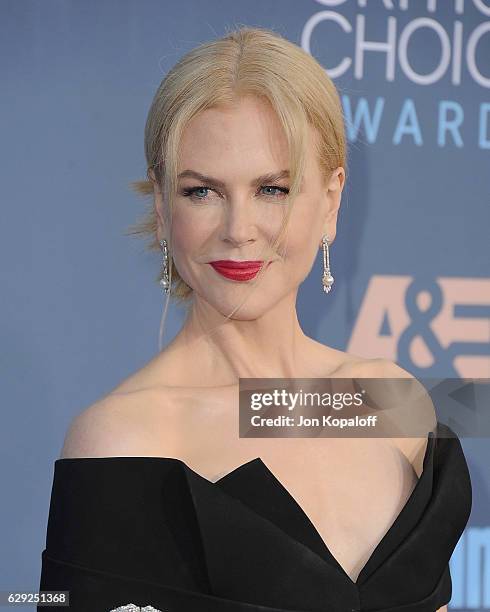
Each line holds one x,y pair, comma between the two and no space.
117,425
377,367
421,410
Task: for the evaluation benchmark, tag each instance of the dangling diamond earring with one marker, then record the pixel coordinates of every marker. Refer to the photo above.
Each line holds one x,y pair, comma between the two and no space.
327,279
164,281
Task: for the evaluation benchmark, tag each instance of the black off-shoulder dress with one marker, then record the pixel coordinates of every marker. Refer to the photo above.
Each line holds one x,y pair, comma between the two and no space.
153,533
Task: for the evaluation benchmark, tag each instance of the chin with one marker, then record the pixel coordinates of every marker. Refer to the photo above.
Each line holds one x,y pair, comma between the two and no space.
254,307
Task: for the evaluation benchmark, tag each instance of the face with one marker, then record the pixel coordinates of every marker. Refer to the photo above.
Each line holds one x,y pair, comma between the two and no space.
236,211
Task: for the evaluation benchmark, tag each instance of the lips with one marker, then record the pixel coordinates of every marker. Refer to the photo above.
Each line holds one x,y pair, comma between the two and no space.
237,270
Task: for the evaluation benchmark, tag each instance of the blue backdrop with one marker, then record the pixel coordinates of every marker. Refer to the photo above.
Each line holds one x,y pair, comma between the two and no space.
80,309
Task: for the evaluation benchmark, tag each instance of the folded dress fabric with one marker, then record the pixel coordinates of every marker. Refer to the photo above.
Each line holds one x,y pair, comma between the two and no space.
150,534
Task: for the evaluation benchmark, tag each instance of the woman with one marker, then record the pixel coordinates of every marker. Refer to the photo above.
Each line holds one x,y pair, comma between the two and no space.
156,500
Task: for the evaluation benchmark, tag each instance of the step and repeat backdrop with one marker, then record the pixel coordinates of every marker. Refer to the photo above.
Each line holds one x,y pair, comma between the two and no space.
81,308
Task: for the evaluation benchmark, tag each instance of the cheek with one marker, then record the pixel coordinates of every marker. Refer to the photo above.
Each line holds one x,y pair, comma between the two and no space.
184,245
189,232
182,235
192,245
303,235
300,256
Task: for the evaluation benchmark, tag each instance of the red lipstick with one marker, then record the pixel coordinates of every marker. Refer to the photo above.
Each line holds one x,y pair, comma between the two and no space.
237,270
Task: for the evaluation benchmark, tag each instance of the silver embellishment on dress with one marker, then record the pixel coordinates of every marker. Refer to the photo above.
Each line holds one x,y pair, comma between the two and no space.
134,608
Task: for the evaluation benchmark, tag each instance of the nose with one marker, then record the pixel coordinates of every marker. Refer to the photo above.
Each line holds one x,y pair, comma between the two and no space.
239,223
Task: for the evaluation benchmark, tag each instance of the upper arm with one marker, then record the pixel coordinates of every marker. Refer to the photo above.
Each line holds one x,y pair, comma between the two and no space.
109,427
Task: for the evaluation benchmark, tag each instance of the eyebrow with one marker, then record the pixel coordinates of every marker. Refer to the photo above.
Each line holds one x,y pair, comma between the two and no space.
270,177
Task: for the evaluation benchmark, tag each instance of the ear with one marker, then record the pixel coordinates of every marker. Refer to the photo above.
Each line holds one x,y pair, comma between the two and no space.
333,195
158,205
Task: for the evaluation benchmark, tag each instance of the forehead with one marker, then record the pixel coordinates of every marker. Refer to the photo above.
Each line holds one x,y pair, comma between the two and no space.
248,135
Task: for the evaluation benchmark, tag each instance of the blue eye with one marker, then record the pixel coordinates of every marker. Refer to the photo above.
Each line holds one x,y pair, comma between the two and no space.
283,190
192,192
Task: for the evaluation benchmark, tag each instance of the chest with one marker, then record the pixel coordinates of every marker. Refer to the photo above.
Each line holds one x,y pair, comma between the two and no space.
351,489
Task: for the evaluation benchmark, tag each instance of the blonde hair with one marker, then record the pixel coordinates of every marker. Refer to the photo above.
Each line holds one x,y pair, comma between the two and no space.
246,61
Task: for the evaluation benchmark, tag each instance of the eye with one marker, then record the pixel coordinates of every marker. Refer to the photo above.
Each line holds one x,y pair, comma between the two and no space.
192,192
197,192
282,190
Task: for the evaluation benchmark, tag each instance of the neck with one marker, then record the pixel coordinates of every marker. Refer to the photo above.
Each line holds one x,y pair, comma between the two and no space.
211,347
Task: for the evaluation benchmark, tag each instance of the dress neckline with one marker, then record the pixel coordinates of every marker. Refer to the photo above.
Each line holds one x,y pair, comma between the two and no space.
259,474
381,549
